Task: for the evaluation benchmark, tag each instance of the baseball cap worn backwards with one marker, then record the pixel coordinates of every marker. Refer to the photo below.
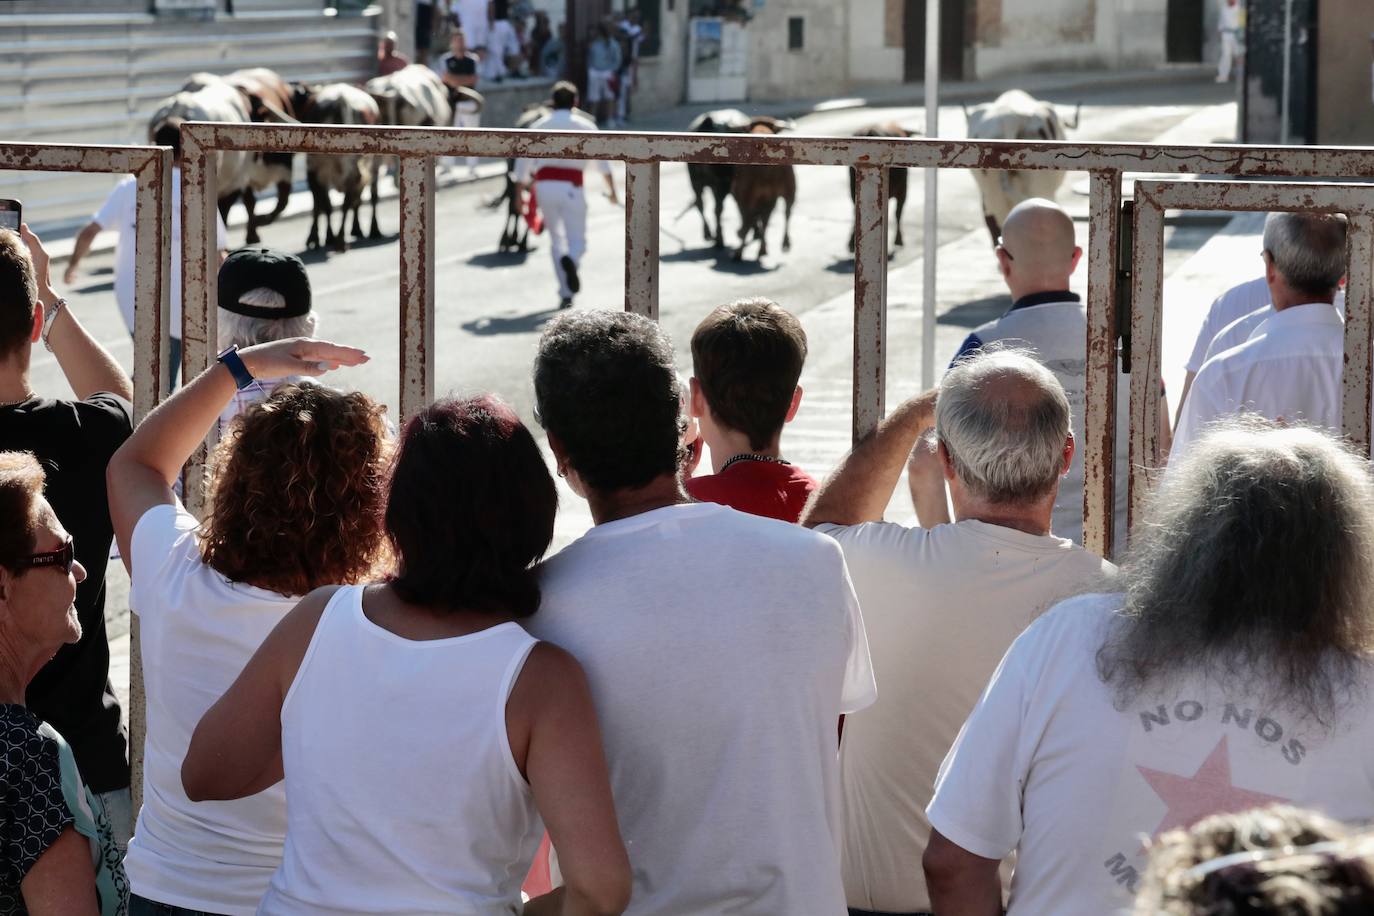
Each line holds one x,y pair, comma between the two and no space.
257,267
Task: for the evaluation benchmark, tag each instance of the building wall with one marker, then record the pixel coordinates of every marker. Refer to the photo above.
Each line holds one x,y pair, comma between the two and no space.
1013,36
876,54
820,68
663,77
1345,109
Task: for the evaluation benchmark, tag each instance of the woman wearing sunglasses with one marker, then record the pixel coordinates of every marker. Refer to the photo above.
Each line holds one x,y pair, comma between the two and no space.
57,856
295,504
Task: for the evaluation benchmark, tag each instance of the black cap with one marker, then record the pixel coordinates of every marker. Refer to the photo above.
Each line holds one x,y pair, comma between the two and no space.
251,268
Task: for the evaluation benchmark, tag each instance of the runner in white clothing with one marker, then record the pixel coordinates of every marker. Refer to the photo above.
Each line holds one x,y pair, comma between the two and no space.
1292,371
557,187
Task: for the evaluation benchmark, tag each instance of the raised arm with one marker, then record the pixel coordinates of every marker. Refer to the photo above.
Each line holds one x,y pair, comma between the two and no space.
859,489
84,239
236,749
551,718
141,473
925,478
88,366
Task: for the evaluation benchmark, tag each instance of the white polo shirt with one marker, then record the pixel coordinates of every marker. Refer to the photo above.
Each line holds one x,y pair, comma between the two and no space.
1236,302
1246,326
560,119
1291,370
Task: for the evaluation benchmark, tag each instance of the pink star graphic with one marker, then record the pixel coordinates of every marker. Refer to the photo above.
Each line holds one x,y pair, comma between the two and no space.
1208,791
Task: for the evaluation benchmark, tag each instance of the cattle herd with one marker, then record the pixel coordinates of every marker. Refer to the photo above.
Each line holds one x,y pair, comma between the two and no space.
415,96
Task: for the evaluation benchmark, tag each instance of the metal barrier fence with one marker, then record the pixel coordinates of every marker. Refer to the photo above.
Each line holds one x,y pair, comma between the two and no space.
151,167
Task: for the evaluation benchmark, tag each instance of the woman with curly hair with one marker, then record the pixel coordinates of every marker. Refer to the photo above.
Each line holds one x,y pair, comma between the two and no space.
295,504
420,788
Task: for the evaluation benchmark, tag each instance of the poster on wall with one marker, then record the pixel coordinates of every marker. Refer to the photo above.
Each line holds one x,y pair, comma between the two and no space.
718,60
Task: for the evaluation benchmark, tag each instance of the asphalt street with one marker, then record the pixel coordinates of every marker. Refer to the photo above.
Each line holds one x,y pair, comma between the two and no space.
491,307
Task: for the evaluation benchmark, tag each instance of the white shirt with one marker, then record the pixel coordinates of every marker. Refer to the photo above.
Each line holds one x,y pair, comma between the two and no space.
1292,371
1247,326
1229,20
941,606
721,649
405,797
118,213
1238,301
560,119
1048,765
197,630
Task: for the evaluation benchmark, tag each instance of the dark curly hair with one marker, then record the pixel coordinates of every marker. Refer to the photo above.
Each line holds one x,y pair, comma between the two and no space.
297,497
606,386
470,509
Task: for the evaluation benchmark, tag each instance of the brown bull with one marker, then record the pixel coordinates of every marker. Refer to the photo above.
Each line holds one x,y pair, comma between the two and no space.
896,178
757,190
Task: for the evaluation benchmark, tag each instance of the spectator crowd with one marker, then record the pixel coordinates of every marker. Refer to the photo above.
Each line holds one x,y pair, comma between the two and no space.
370,690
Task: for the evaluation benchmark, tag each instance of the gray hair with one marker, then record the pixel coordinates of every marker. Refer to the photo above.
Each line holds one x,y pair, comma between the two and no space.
237,330
1308,249
1005,449
1254,567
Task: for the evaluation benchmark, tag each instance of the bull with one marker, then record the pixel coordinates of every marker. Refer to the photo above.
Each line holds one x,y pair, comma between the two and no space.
757,190
1014,115
717,176
338,104
413,96
263,97
896,178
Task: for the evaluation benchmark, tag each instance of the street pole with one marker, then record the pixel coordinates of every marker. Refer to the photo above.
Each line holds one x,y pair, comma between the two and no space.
1287,70
932,196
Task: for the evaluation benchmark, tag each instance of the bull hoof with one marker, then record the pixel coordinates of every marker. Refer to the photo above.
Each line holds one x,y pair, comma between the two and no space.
738,255
851,244
375,234
786,244
251,238
899,243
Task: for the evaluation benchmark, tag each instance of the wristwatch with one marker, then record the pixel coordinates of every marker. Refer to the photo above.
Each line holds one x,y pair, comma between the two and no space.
49,315
234,363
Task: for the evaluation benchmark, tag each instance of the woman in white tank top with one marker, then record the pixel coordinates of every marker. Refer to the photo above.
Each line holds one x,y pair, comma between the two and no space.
421,732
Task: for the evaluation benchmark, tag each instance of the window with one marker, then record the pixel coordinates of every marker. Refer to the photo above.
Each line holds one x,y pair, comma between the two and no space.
796,33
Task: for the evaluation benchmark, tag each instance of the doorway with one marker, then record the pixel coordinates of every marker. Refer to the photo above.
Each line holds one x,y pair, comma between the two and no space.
952,31
1184,31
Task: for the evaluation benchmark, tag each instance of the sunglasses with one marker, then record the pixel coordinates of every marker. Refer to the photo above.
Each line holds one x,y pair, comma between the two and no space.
62,557
1004,249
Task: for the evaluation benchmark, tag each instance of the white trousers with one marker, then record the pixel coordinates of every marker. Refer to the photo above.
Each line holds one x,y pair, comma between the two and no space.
565,219
1230,48
466,114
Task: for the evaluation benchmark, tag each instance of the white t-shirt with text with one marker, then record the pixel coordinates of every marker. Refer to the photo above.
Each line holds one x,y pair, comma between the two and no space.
197,631
117,213
721,649
941,606
1049,766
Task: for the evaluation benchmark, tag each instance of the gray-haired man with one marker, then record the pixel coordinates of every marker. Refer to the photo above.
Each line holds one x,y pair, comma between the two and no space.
1290,368
943,604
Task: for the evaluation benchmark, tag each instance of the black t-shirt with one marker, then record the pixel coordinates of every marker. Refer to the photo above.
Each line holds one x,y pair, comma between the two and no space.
74,441
461,64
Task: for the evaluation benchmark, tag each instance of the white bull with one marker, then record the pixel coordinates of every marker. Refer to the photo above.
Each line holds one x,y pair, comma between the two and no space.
413,96
207,97
1014,115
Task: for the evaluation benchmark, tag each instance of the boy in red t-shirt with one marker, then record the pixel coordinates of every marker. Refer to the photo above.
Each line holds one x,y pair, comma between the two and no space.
747,357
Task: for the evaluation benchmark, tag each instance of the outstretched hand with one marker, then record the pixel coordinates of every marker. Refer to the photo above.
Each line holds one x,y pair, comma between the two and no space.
299,356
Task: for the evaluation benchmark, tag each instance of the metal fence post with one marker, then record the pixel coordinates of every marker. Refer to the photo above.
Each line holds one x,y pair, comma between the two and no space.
870,299
416,181
199,270
1099,412
641,238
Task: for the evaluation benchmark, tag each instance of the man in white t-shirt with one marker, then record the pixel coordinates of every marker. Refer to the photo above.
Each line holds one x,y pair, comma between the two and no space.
942,604
1232,673
118,213
1293,369
721,648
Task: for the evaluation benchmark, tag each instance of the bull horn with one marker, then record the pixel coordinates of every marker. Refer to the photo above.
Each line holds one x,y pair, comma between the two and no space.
1077,113
968,115
276,115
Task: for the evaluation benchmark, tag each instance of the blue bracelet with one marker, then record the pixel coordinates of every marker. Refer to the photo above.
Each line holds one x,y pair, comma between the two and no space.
234,363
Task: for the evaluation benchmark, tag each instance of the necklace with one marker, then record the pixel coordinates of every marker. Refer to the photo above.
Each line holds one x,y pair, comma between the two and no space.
748,457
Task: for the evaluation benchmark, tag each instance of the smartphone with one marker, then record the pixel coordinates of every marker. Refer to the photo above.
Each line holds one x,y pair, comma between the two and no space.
10,214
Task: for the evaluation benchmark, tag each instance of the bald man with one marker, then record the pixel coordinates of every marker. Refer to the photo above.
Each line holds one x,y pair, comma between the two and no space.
1037,255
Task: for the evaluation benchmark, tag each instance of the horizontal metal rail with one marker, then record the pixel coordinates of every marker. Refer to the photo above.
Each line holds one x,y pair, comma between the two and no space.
151,167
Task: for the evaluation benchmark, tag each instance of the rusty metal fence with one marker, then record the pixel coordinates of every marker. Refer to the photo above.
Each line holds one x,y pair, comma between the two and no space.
151,167
1115,270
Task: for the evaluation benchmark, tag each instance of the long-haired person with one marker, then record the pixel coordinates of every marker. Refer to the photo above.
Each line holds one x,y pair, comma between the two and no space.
421,731
295,504
1233,672
57,851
